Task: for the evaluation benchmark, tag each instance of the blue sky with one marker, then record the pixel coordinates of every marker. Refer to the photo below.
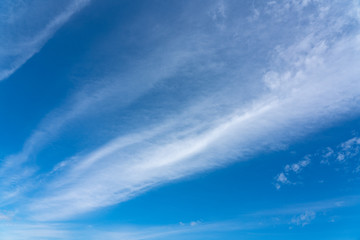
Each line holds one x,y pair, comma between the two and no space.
215,119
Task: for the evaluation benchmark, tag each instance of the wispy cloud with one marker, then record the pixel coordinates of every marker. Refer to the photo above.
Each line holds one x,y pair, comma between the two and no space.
304,213
311,83
15,50
33,231
317,206
298,215
25,230
106,94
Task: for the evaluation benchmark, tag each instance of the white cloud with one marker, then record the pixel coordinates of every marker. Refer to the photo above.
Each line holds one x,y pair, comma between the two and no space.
318,86
344,156
300,215
106,94
304,218
282,178
345,153
290,170
311,83
297,167
35,231
32,231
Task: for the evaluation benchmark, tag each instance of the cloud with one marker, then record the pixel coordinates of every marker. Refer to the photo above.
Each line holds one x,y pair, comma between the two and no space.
344,155
15,50
304,213
105,95
32,231
312,83
290,170
25,230
281,179
316,206
298,214
349,149
304,218
299,166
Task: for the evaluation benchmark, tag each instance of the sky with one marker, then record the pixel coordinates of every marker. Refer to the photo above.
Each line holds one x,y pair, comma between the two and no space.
201,119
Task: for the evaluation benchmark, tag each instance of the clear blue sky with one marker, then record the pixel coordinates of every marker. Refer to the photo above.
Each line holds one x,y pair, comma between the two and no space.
216,119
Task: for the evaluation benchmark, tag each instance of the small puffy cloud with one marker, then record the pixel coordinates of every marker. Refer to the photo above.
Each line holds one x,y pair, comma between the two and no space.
345,153
345,156
297,167
280,180
349,149
304,218
340,157
289,170
326,154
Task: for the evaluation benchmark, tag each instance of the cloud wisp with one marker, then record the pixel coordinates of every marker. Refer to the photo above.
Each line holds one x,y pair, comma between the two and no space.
297,215
32,231
15,50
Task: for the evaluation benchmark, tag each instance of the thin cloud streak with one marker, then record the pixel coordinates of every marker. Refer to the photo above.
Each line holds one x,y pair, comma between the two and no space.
30,231
25,50
291,215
